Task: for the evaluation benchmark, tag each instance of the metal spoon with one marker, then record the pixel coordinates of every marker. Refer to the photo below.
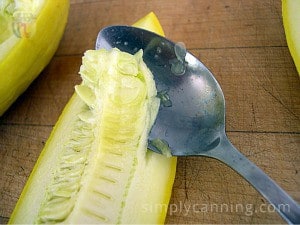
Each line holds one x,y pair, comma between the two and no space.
191,119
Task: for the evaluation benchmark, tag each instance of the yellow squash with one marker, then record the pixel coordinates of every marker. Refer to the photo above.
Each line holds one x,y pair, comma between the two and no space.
126,186
291,22
30,32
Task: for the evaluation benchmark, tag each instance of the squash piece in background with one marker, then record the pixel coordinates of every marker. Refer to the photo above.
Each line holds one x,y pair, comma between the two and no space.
30,32
291,22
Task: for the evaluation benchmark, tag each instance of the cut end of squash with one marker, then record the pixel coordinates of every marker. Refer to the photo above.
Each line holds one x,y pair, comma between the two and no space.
291,22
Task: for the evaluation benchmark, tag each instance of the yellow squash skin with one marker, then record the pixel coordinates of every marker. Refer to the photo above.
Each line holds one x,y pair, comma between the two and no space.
291,22
149,192
29,55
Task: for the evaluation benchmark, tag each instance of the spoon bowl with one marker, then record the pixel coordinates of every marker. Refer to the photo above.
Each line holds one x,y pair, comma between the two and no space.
191,118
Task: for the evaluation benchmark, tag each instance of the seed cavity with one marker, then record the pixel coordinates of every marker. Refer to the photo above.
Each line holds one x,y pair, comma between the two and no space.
63,189
101,152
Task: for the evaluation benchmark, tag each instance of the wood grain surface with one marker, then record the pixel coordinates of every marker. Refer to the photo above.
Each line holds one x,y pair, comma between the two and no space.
242,43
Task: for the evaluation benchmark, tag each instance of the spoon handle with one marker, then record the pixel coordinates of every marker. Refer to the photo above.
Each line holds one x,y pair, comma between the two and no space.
279,199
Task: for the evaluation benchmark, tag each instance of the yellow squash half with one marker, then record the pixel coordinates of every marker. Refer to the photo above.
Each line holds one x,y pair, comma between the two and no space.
30,32
113,180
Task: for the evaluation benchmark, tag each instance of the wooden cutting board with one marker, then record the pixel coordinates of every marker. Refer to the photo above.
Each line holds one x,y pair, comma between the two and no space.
243,44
